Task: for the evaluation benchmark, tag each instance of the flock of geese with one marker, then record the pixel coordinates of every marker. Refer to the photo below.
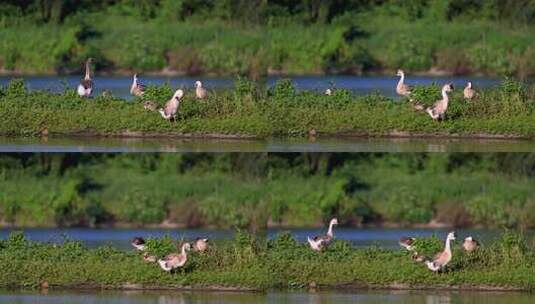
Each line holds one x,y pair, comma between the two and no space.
168,112
436,112
174,260
318,243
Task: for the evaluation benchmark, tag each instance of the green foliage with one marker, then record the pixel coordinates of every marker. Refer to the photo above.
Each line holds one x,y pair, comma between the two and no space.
284,264
16,88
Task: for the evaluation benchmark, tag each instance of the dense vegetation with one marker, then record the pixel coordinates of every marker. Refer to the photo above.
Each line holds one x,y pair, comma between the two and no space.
250,111
249,262
258,36
250,190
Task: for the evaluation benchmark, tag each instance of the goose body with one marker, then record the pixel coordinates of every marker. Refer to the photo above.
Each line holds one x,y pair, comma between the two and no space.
149,258
200,92
149,105
171,107
175,260
469,92
200,245
470,245
402,89
320,242
438,111
85,88
138,243
442,259
407,242
137,88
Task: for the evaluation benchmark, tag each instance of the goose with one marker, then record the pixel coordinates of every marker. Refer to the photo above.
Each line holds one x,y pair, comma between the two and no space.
318,243
470,245
438,111
149,258
149,105
200,92
407,243
137,88
200,245
171,107
417,258
402,89
443,258
139,243
469,92
85,88
329,92
175,260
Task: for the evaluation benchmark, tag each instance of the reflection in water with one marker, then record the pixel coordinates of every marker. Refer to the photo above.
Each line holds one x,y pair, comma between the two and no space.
169,297
345,144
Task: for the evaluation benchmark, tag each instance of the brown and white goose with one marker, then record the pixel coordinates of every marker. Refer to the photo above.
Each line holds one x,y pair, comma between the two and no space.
200,92
85,88
175,260
137,88
402,89
139,243
407,243
171,107
438,111
470,245
147,257
200,245
320,242
442,259
469,92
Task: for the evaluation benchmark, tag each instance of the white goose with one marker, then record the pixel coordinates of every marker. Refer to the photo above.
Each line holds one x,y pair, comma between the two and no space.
139,243
470,245
175,260
407,243
402,89
200,92
442,259
137,88
171,107
200,245
438,111
85,88
320,242
469,92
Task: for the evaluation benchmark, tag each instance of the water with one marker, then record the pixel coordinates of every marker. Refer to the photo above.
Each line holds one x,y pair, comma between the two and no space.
120,85
357,144
339,297
120,238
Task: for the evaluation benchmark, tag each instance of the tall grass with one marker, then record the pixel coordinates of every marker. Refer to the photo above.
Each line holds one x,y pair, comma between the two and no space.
251,262
255,190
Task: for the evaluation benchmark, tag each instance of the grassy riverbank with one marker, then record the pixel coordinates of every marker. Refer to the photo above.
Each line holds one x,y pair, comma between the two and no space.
261,37
247,110
257,190
251,263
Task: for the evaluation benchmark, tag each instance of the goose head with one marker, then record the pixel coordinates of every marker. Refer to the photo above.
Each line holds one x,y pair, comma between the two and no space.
469,85
400,73
186,247
178,94
334,221
198,84
135,77
448,88
469,239
451,236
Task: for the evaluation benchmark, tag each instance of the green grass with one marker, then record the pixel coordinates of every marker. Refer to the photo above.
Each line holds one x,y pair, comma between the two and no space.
250,190
249,262
246,111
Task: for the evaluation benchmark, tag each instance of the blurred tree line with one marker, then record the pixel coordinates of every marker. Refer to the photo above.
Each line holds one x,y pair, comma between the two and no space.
270,11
